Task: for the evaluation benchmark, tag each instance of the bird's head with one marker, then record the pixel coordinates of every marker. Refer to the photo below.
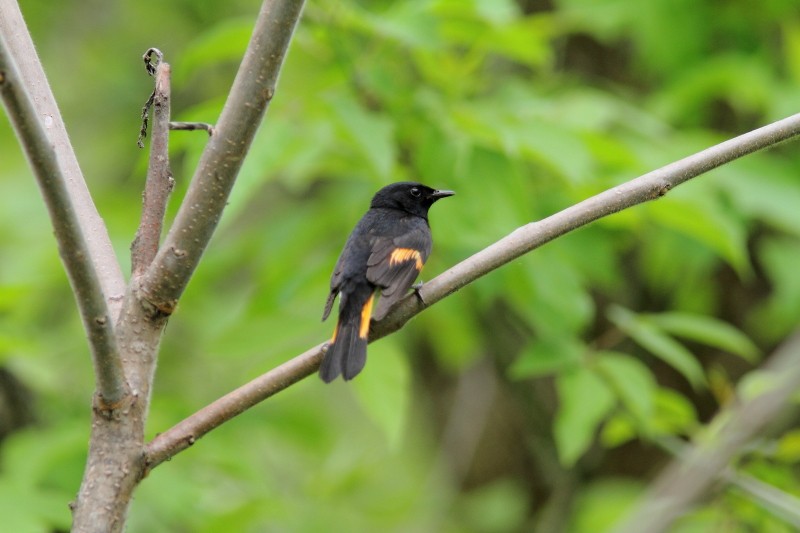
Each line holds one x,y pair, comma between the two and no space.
409,196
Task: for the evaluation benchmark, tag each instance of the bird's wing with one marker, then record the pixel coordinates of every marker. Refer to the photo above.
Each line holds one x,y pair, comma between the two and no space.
394,264
336,282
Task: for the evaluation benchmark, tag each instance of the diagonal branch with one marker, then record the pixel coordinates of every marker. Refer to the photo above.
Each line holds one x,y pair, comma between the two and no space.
252,91
780,504
73,246
521,241
30,75
179,437
688,478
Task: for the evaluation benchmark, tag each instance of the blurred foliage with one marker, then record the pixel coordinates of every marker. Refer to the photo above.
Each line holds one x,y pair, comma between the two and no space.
533,398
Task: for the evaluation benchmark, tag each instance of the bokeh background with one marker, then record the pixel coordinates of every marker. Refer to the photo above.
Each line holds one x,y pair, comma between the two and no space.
543,396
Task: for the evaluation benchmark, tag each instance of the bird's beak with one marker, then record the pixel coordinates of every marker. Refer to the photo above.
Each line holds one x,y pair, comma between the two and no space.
441,194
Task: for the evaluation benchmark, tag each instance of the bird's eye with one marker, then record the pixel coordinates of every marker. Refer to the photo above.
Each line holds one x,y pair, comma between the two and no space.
415,192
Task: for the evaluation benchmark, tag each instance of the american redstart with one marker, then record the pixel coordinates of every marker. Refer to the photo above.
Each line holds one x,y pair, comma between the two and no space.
385,252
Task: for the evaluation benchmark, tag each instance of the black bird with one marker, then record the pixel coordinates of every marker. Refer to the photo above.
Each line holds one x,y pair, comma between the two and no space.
385,252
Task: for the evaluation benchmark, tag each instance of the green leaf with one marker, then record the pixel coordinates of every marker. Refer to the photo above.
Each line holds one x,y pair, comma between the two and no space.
495,11
602,504
781,312
618,430
703,221
499,506
562,304
674,414
409,23
515,124
633,383
707,330
370,133
788,449
772,198
454,335
26,510
659,344
585,400
224,41
547,356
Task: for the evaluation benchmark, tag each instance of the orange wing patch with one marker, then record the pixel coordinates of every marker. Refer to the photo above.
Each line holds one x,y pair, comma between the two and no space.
366,314
401,255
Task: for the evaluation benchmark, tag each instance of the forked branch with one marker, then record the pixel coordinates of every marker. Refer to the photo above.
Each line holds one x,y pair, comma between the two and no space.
167,277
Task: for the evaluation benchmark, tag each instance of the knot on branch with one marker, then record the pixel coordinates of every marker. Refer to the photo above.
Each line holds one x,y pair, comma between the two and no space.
112,410
155,309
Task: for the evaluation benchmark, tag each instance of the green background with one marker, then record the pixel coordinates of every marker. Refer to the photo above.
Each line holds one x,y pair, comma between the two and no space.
540,396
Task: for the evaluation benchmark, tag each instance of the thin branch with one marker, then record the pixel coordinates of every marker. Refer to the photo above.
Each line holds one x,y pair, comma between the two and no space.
159,182
526,238
648,187
684,482
192,126
73,246
781,504
19,47
252,91
187,432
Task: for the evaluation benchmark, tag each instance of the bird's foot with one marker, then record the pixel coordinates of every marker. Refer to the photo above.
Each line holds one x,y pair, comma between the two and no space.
416,287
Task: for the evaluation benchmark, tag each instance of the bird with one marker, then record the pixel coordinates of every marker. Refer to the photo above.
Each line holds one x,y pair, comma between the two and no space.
383,255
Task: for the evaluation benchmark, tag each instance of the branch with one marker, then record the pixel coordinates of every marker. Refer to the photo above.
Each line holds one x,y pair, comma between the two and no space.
179,437
687,479
159,180
781,504
192,126
68,225
521,241
252,90
30,75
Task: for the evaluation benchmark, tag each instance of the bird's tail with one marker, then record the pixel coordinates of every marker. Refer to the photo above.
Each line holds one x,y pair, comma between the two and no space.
347,349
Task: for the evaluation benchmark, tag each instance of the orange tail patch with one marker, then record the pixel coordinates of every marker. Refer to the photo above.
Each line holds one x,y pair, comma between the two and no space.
366,314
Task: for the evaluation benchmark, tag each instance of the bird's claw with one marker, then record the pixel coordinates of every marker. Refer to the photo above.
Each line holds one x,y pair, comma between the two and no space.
416,287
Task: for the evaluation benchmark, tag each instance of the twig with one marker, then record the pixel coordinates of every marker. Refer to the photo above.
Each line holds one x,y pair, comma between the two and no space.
252,90
781,504
191,126
642,189
72,244
687,479
159,182
19,46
